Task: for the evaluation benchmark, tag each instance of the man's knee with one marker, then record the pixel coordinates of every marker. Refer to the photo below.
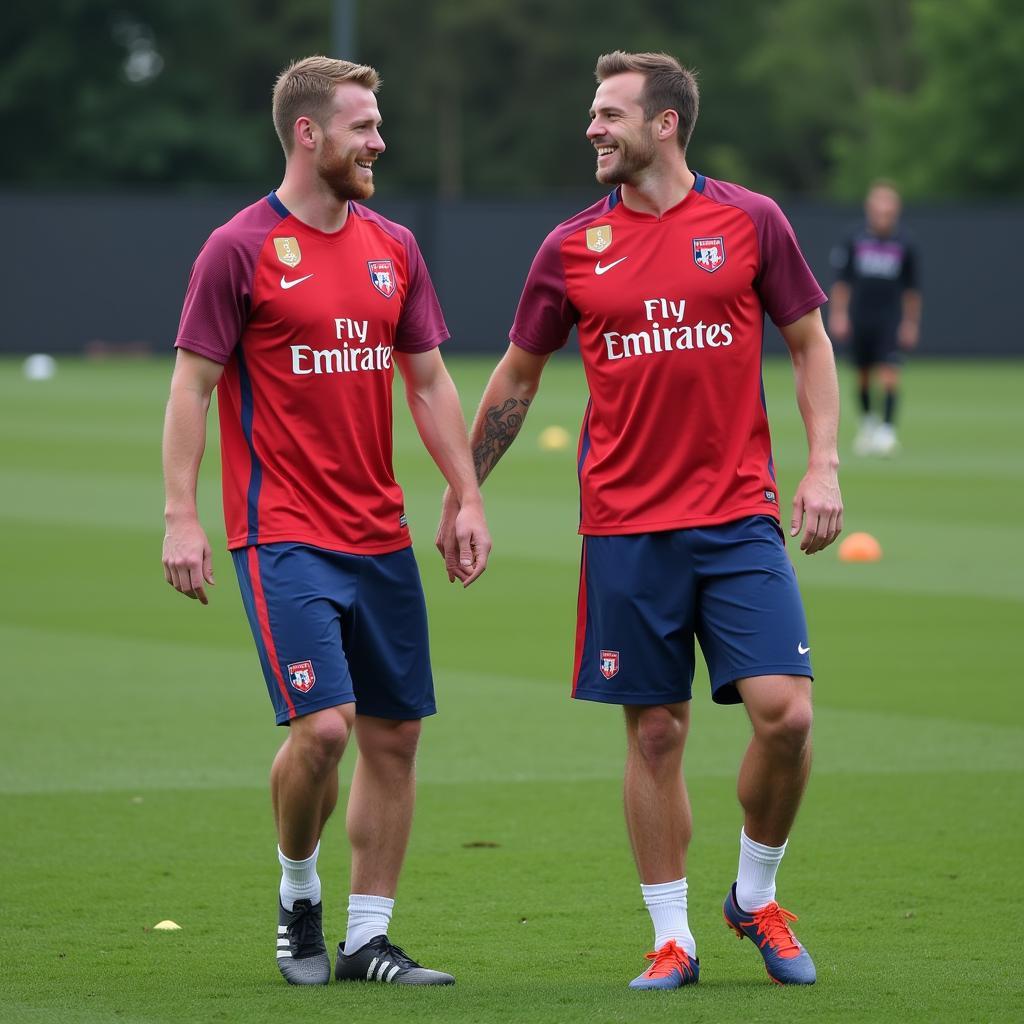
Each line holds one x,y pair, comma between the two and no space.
404,739
656,733
396,741
321,739
788,725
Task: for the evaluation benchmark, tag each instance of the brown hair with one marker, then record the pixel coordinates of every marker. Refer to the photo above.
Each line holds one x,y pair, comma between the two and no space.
667,86
306,89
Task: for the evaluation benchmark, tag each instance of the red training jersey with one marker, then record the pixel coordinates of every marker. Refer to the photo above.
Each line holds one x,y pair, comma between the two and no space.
305,324
670,315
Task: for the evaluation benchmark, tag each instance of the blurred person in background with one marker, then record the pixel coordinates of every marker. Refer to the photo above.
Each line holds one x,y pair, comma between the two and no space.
667,281
875,308
297,310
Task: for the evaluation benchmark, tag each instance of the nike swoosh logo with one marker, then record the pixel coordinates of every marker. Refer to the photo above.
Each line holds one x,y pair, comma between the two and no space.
599,270
292,284
800,649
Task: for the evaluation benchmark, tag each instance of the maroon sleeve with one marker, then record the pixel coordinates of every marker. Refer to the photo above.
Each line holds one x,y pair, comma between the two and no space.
545,315
421,325
785,283
219,295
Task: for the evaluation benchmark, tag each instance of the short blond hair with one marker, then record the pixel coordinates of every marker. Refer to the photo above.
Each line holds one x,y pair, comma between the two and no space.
667,86
306,89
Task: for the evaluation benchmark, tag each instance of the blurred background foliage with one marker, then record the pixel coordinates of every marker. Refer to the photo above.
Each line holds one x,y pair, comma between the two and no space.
490,97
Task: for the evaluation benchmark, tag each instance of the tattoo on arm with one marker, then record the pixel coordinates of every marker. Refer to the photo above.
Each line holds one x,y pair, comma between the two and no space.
501,423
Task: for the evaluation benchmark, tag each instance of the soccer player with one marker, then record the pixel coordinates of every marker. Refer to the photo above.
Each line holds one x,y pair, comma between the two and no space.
297,310
876,307
667,281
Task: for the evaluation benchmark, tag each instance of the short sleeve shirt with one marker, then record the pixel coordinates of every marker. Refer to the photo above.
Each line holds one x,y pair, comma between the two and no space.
878,270
306,324
670,315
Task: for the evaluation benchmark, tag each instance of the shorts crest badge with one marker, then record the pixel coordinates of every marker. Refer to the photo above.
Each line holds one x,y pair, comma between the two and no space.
609,663
382,276
709,253
288,251
599,238
301,676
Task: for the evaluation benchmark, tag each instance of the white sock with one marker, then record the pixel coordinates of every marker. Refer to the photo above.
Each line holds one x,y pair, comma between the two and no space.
755,880
666,903
368,917
299,880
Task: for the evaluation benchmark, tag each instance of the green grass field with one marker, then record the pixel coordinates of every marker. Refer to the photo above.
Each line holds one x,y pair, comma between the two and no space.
137,737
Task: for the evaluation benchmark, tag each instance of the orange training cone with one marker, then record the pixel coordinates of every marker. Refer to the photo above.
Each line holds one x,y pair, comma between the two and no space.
860,547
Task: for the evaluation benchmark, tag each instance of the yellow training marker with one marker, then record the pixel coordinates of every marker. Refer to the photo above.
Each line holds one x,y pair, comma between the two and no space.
553,439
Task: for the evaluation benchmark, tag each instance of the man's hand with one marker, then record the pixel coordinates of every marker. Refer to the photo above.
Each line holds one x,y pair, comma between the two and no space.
188,561
818,500
839,326
444,541
908,333
463,540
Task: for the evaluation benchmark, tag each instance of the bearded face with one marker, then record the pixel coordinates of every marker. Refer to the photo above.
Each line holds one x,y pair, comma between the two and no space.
347,173
622,160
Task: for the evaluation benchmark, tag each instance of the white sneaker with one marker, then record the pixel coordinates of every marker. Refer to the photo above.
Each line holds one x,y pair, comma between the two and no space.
864,442
885,442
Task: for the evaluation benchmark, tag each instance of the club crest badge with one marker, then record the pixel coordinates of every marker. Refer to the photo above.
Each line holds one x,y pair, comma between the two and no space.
288,251
599,238
301,676
609,663
709,253
382,276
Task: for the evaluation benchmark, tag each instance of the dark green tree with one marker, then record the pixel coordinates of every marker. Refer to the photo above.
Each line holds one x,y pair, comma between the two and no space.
100,91
805,78
490,97
951,133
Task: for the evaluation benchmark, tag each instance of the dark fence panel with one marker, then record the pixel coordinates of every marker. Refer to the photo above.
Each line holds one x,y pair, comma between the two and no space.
108,270
970,270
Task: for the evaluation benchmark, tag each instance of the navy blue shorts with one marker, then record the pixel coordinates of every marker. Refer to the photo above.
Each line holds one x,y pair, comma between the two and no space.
643,598
333,628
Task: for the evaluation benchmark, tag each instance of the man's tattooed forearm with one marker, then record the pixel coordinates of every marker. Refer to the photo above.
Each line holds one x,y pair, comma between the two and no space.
501,424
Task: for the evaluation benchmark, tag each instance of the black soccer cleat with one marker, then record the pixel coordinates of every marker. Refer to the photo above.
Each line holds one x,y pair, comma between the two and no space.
381,961
301,951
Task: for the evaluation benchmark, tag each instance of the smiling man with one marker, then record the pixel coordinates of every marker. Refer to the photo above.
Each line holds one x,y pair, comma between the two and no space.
297,311
667,281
